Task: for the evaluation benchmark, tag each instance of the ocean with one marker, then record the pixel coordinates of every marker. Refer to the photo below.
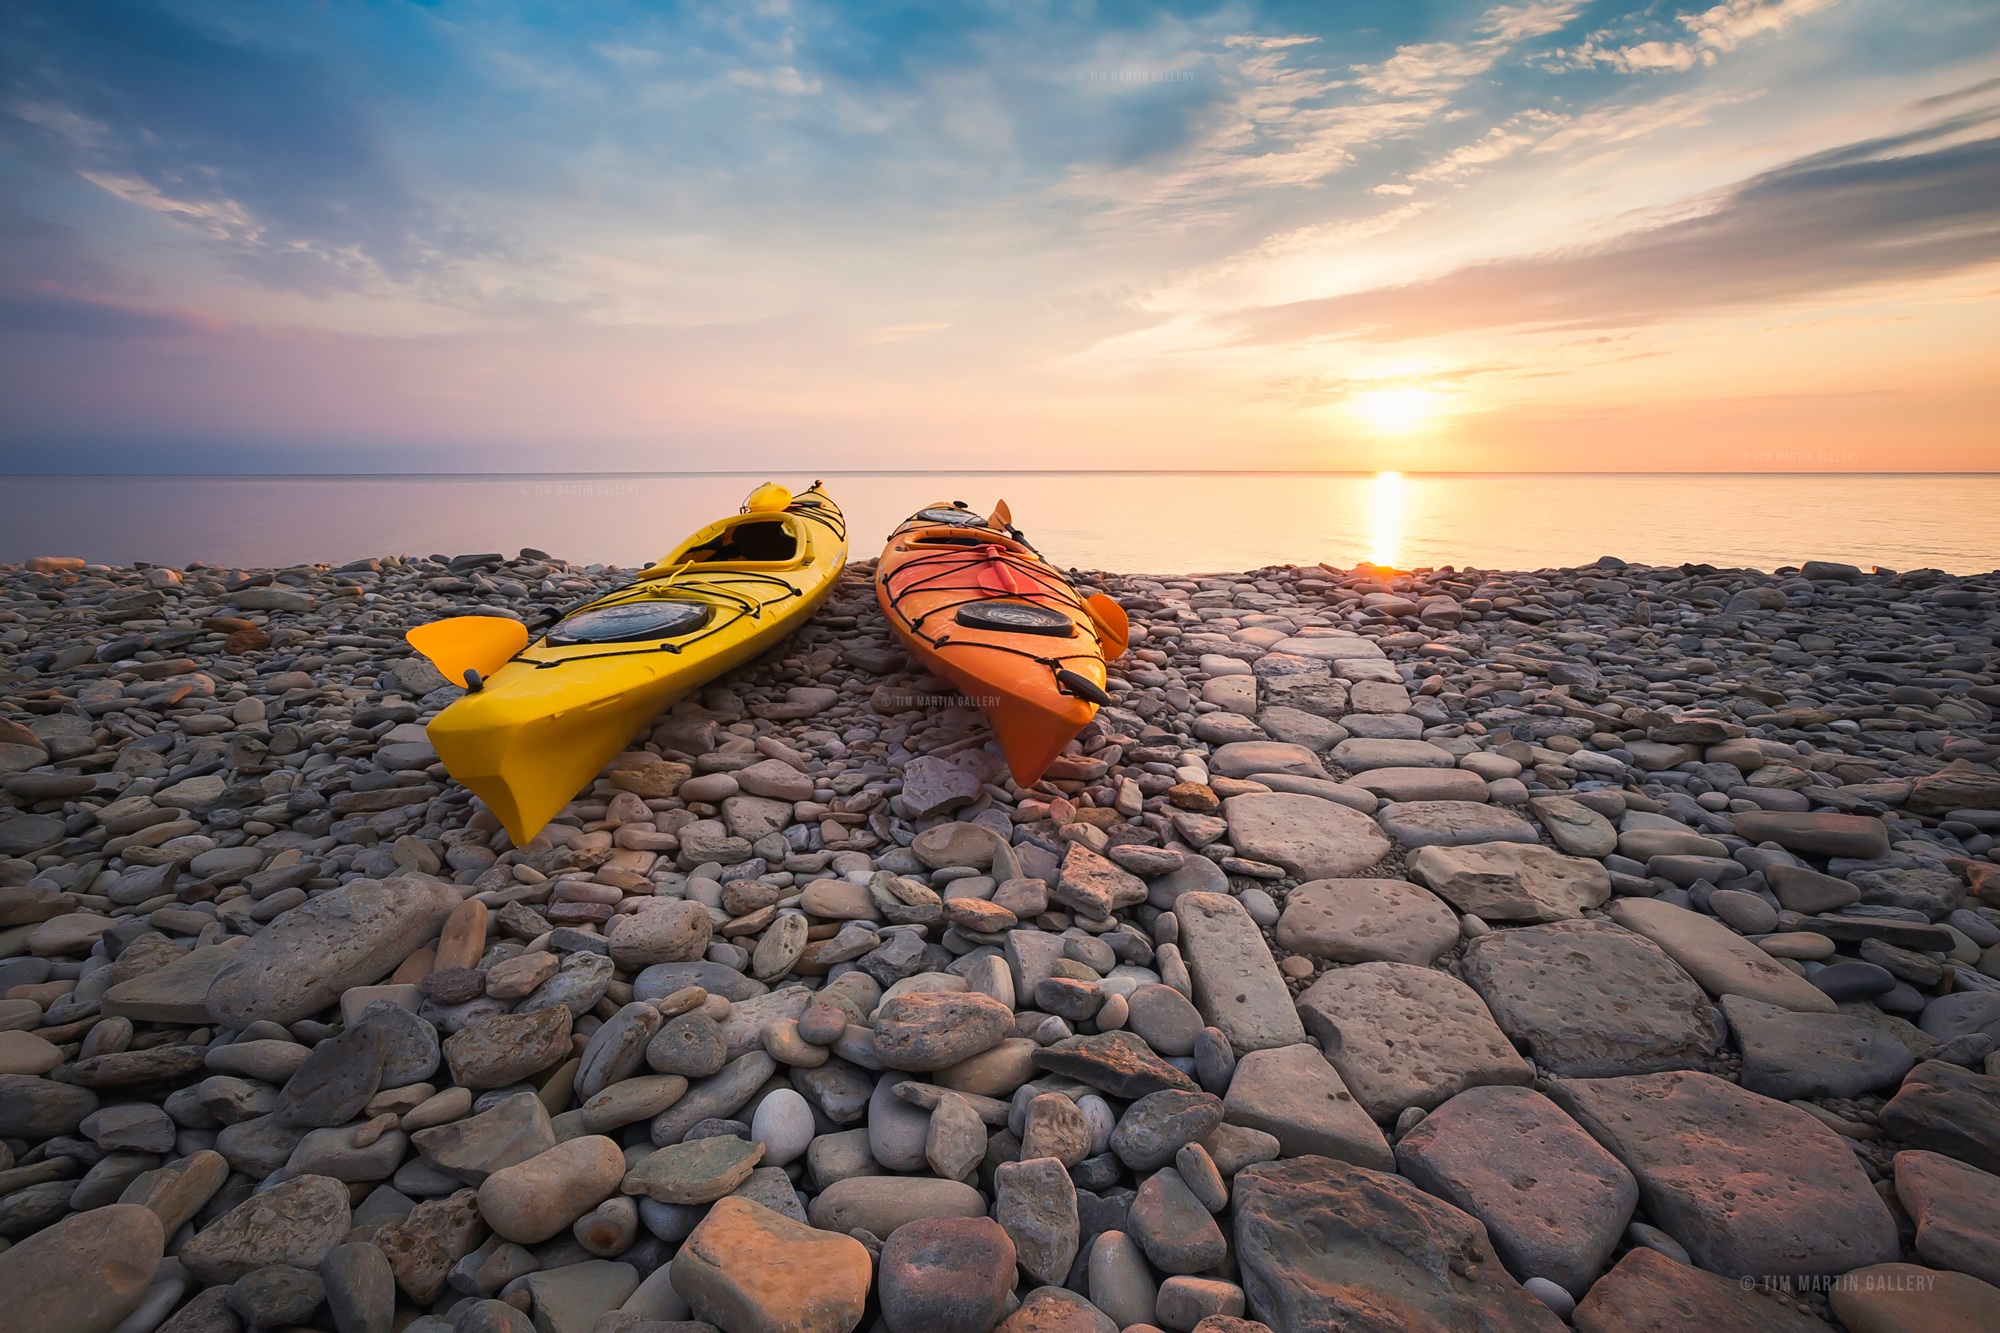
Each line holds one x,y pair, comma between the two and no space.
1134,522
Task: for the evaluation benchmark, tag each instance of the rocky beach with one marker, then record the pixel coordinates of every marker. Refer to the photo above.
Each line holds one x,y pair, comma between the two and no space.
1614,947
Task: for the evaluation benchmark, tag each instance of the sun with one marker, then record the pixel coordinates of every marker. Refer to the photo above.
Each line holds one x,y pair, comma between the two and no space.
1396,410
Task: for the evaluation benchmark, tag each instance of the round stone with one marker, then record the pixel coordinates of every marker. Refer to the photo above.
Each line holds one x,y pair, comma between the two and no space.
784,1125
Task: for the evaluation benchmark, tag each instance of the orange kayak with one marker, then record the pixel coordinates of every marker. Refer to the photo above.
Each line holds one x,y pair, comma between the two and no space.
976,604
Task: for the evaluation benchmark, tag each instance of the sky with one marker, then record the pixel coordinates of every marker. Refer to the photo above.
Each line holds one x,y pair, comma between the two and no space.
496,235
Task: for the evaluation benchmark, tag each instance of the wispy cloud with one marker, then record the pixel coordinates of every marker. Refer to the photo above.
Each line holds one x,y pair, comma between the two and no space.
1724,27
1891,210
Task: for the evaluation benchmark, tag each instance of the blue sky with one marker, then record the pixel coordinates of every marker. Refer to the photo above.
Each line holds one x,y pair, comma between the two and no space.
484,235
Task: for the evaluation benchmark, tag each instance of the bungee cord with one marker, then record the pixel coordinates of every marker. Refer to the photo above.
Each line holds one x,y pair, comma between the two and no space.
1052,590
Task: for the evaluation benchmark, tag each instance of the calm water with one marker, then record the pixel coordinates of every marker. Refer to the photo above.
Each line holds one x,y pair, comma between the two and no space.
1133,522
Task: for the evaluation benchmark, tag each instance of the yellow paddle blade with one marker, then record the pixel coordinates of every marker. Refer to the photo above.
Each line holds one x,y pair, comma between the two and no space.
1114,629
480,644
770,498
1002,517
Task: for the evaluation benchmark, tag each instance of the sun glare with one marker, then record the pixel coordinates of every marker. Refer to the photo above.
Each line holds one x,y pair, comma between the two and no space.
1396,409
1387,503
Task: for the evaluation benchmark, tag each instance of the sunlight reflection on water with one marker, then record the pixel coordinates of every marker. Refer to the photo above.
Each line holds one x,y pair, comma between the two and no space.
1134,522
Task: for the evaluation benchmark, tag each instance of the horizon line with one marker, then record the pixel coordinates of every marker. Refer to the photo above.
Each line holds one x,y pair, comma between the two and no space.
966,472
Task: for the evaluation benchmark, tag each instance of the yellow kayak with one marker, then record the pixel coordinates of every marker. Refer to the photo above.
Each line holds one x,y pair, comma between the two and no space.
534,732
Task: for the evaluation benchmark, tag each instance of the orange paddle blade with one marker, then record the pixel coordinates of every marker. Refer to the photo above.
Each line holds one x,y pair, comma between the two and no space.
1114,628
482,644
1001,518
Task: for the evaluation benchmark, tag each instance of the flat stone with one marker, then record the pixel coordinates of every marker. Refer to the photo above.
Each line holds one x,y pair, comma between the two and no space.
924,1032
691,1045
35,1108
73,932
23,1053
1553,1201
665,931
1792,1056
1309,838
1575,827
1239,759
1324,1244
1093,885
881,1204
337,1078
1948,1110
294,1223
575,1297
934,787
696,1171
1157,1126
1237,986
495,1051
1591,1001
511,1131
1935,893
718,1096
1035,1203
1293,1094
1361,754
1452,824
1296,726
1118,1063
1721,960
134,1127
751,1269
1957,1211
1649,1293
1817,833
85,1273
1902,1298
530,1201
1164,1019
1177,1233
1807,891
350,936
1509,881
1750,1186
1402,1035
1422,784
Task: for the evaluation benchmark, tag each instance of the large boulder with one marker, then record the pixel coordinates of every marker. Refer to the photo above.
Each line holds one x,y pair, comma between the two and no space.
1589,1000
1650,1293
1749,1186
1309,838
1322,1244
1406,1036
1511,881
1717,957
1553,1200
1366,920
1237,986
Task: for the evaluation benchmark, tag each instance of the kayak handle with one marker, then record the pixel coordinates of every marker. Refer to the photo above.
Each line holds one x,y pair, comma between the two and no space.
1082,687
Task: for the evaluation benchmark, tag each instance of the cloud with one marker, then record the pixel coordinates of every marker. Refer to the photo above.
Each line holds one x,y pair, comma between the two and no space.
1285,122
1897,209
262,153
1725,27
